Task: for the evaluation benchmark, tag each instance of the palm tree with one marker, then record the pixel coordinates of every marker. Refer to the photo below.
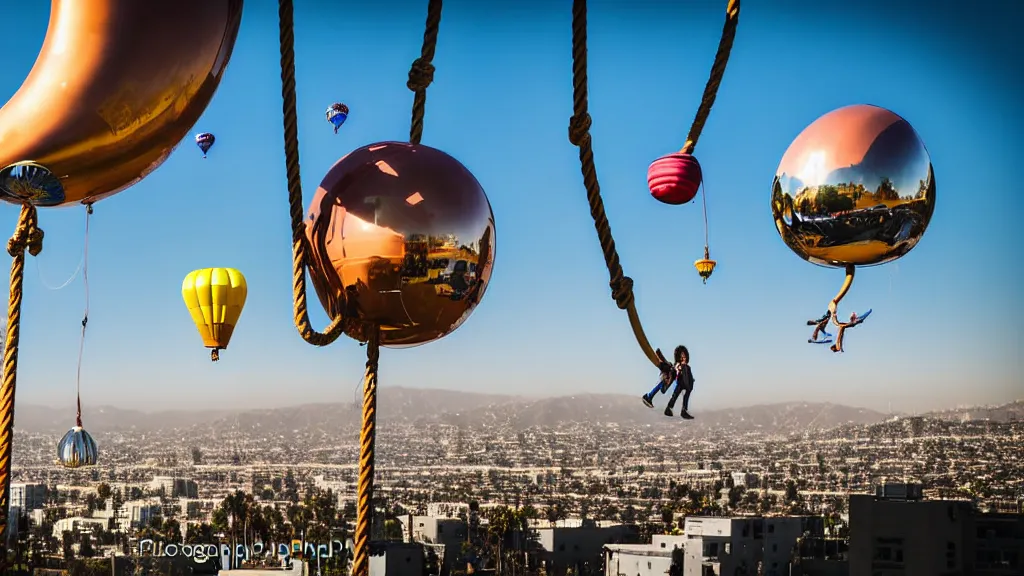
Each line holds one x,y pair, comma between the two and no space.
199,534
171,531
323,508
277,530
506,528
299,517
232,513
256,527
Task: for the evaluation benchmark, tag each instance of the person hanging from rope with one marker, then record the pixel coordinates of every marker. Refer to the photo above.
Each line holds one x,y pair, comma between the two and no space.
819,328
854,321
668,375
683,376
579,135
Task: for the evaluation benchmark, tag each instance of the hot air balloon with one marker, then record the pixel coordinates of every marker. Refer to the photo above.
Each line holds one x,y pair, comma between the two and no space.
205,142
855,188
674,179
337,113
77,449
215,298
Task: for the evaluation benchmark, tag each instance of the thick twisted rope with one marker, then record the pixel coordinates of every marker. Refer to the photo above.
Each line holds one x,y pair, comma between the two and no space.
732,18
295,209
27,236
579,135
421,74
367,437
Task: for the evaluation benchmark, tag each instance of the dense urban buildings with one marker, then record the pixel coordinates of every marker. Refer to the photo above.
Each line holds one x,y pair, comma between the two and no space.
917,495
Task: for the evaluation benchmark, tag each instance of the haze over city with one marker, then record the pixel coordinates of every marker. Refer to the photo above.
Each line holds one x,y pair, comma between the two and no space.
946,327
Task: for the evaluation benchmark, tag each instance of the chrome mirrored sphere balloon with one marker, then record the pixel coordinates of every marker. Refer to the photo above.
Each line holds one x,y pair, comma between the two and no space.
855,187
401,235
77,449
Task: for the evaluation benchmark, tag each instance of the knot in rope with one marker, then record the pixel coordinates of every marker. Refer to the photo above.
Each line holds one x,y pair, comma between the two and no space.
26,236
579,128
622,291
421,74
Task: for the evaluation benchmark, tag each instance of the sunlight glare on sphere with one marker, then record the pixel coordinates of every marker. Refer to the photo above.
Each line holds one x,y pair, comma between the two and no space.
401,235
855,187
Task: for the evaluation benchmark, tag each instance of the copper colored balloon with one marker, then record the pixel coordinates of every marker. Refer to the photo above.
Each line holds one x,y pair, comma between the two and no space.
401,235
116,86
854,188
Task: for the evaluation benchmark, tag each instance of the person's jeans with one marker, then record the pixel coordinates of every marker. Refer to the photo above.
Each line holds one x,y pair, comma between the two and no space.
657,388
660,386
675,395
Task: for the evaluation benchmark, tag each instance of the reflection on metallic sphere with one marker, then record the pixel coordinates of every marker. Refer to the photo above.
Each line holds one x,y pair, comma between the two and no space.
401,235
76,449
855,187
116,86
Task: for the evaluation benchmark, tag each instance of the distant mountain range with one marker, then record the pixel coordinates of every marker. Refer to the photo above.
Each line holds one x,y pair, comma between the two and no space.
1012,412
468,409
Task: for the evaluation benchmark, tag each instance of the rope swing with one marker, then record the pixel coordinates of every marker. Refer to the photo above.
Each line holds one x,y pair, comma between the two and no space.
27,237
579,135
421,74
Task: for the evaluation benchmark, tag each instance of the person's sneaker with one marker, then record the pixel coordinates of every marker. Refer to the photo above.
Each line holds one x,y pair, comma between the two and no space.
686,415
647,401
668,411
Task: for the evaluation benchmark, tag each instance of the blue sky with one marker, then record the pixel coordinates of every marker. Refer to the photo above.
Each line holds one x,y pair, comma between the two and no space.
946,327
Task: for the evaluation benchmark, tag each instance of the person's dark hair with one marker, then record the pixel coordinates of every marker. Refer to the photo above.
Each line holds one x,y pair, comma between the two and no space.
680,350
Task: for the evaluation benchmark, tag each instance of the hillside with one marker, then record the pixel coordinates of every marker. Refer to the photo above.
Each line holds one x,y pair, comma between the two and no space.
418,406
1012,412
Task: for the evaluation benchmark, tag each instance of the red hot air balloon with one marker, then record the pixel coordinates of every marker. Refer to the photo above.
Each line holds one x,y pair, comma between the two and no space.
674,179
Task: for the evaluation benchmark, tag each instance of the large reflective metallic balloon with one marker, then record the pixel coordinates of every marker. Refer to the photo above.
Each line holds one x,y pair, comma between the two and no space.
116,86
402,235
855,187
77,449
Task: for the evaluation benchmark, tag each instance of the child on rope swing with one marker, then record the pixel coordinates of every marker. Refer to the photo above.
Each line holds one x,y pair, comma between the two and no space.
682,375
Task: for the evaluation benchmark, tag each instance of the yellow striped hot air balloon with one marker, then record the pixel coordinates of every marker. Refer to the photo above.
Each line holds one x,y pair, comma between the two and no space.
215,298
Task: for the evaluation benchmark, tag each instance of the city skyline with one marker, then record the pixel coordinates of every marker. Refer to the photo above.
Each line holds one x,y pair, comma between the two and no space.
588,481
442,404
547,324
